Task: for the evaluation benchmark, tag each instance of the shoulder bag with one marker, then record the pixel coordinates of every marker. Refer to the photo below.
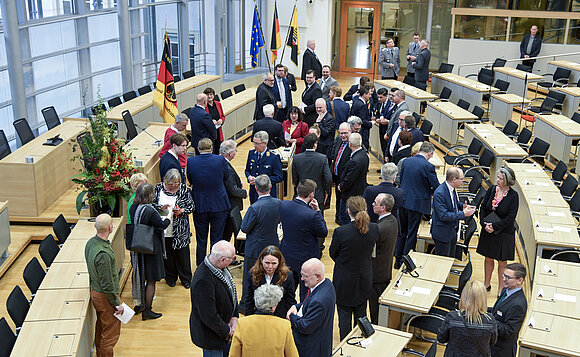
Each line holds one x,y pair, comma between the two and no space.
143,235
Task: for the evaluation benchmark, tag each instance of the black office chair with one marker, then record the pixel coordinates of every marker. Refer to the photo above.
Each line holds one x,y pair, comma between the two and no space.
239,88
4,146
216,97
462,248
113,102
226,93
23,130
499,84
524,138
445,68
421,86
559,172
499,62
510,128
449,297
48,249
472,187
483,165
7,338
559,78
485,75
129,95
417,117
568,187
523,67
478,112
130,124
50,117
144,90
566,255
425,128
99,108
425,322
17,306
453,157
559,97
61,229
463,104
33,275
546,107
176,78
445,94
188,74
410,80
537,152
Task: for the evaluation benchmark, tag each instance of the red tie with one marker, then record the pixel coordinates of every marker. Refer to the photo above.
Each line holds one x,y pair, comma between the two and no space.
307,295
338,157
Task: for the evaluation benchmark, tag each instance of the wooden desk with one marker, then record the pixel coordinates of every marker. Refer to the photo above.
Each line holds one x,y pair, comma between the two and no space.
62,304
145,151
286,157
432,267
461,88
66,276
573,66
446,117
555,300
518,79
4,229
550,335
502,107
413,95
559,131
386,342
571,101
557,274
502,147
32,187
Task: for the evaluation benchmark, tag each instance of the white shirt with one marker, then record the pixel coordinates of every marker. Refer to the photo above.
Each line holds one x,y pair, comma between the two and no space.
282,91
268,279
352,153
452,194
395,140
384,215
168,200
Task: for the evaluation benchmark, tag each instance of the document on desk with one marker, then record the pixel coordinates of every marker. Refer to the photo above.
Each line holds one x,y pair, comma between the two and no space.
564,297
127,314
402,292
420,290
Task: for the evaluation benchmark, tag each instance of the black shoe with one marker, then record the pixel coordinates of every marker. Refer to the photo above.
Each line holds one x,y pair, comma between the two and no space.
488,288
170,283
149,314
186,284
138,309
397,265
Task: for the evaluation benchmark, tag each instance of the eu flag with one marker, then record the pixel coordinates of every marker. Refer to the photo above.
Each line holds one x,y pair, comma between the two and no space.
257,41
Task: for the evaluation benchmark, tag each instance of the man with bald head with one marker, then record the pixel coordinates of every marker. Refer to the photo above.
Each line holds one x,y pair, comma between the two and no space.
327,127
312,319
214,302
447,212
104,284
265,95
202,125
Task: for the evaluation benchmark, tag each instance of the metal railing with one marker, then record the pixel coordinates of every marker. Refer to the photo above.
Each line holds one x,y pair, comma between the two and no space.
490,63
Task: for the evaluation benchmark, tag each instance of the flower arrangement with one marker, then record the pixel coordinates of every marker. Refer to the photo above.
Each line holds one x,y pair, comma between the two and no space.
106,165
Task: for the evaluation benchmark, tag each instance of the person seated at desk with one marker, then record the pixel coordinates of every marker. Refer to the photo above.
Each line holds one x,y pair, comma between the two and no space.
178,127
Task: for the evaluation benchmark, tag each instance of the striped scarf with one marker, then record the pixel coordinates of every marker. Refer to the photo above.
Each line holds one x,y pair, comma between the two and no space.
225,276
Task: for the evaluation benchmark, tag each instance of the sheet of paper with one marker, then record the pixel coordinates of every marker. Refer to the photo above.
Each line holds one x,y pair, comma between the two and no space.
564,297
401,292
538,202
545,184
533,170
556,214
531,322
287,135
420,290
545,230
562,229
127,314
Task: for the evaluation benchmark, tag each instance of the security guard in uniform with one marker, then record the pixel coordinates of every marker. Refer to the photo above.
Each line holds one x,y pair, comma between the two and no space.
263,161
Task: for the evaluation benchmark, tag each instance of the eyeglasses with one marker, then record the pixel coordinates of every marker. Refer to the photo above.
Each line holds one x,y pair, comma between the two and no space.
376,204
507,277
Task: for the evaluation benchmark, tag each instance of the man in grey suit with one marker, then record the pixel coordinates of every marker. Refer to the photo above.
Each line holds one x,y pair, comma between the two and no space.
390,61
412,53
326,82
399,100
421,63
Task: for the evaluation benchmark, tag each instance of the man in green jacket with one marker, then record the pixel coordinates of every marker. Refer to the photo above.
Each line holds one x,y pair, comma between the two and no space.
105,289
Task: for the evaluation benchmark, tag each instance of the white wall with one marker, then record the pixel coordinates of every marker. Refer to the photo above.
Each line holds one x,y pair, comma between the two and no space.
462,51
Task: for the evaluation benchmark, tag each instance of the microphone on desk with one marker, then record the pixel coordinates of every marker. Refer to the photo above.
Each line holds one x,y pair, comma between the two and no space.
156,142
524,95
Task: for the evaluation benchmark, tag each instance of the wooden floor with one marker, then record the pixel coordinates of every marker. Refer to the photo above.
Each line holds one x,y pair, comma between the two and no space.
170,334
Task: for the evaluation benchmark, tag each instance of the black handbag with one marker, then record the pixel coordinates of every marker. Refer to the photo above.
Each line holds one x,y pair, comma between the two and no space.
143,235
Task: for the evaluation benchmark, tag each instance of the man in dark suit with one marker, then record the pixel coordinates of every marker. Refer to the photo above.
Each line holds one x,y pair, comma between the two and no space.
326,82
337,107
291,79
325,122
383,256
353,180
260,225
234,187
309,96
302,224
388,174
354,89
382,112
340,155
270,126
421,63
410,127
509,311
264,95
312,320
210,196
170,160
262,161
281,90
361,107
530,46
447,212
310,61
418,181
202,125
214,302
398,98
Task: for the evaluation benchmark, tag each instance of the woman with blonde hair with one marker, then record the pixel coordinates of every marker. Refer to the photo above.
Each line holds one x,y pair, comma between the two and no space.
471,330
351,249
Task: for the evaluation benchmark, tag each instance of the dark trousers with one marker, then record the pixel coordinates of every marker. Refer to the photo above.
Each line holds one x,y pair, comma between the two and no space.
337,203
303,289
445,249
407,237
281,114
216,145
345,314
529,63
343,217
202,223
248,264
378,289
389,77
177,264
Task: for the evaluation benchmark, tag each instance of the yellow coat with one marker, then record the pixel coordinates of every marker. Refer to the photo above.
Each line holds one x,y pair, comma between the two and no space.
263,335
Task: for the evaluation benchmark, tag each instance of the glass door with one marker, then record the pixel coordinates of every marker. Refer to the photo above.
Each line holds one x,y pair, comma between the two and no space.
359,43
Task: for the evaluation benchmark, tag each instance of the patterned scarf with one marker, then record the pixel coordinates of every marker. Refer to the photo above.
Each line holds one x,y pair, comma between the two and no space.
225,276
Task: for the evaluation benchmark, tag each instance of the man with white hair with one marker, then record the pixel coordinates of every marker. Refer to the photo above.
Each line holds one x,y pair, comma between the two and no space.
339,156
214,302
353,180
181,121
264,95
262,160
325,122
271,126
310,61
202,125
398,98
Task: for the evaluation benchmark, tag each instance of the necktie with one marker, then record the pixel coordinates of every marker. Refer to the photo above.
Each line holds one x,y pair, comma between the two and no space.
338,157
502,297
307,294
415,47
282,92
259,156
455,200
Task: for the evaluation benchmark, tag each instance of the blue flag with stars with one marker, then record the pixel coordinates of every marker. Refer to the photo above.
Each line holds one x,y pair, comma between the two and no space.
257,41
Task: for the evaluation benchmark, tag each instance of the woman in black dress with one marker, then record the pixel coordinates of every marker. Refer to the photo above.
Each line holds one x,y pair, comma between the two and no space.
497,237
150,265
214,108
271,268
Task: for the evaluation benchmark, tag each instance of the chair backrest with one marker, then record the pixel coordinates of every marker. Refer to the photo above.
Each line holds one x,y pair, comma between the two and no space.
559,171
478,112
576,117
48,249
417,117
33,275
113,102
129,95
176,78
539,147
463,104
475,146
510,127
557,95
523,67
84,148
239,88
4,146
476,201
469,232
499,62
50,117
445,93
572,256
561,73
61,229
216,97
421,86
226,93
465,275
486,158
17,306
23,130
426,127
188,74
547,105
575,202
144,90
98,108
485,79
7,338
502,85
568,186
475,183
409,80
445,67
524,136
130,124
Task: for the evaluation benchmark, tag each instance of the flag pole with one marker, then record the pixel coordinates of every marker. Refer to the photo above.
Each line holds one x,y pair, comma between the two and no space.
263,39
288,33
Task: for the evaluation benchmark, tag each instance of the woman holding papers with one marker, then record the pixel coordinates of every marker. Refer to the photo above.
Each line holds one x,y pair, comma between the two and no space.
214,108
497,215
295,129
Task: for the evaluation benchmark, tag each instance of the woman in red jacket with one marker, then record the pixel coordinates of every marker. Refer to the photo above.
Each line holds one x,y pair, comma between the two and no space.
296,128
214,108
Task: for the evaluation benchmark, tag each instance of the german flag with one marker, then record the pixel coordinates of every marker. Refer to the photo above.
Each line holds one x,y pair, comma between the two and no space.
275,42
164,97
293,40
